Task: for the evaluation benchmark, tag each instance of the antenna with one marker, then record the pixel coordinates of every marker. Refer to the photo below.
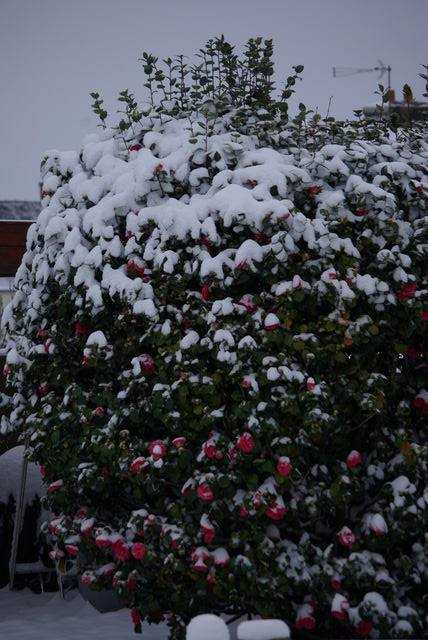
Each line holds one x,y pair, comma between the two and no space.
340,72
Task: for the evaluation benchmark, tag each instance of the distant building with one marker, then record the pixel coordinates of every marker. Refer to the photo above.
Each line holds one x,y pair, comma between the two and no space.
19,210
415,109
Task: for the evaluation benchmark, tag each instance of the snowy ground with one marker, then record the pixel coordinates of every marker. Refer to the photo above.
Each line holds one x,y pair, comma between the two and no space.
28,616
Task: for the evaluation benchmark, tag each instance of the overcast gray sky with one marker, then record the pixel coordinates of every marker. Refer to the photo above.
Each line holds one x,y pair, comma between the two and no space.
53,53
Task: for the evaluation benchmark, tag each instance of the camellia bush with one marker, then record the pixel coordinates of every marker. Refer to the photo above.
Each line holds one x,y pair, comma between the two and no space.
216,354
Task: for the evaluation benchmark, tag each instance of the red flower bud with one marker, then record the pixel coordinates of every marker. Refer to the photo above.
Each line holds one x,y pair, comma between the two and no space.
206,292
136,147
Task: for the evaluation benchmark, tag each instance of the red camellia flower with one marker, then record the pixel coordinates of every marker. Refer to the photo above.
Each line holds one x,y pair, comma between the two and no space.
80,328
419,188
147,364
339,606
204,492
72,550
42,471
314,190
284,466
346,537
136,147
246,443
412,353
424,315
254,183
420,403
131,582
46,193
310,384
247,301
43,389
206,292
407,291
210,449
205,242
362,212
159,167
138,464
305,619
138,550
157,449
99,411
276,511
271,322
136,619
134,268
179,442
364,628
241,264
56,486
354,458
120,549
336,584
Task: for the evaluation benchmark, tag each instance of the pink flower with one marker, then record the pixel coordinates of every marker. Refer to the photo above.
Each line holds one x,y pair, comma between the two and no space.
159,167
346,537
206,292
246,443
314,190
138,550
354,458
45,193
99,411
254,182
204,492
179,442
208,529
157,449
138,464
283,466
103,541
136,147
120,549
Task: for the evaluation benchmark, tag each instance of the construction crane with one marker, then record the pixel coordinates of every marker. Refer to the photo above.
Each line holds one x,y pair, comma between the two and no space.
340,72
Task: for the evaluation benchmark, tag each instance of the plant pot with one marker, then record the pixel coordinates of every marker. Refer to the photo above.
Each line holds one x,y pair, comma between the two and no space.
102,601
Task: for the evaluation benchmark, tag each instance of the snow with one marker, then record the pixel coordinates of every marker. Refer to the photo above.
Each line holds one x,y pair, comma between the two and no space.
10,476
27,616
263,630
207,627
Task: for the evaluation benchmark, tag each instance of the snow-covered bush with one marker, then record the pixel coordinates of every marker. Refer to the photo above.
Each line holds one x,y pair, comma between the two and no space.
217,347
